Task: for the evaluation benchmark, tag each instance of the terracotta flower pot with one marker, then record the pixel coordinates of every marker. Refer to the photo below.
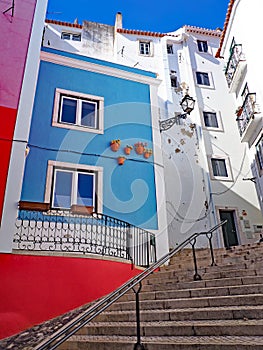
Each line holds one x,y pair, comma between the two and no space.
147,155
127,150
115,146
121,160
139,149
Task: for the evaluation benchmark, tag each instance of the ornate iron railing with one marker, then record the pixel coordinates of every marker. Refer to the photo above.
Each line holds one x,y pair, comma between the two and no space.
247,112
64,231
235,57
76,324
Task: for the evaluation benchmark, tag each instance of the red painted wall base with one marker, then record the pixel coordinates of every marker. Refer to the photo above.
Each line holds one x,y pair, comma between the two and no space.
37,288
8,117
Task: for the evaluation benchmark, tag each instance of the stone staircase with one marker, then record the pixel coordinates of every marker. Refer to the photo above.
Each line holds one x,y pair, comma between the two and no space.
224,310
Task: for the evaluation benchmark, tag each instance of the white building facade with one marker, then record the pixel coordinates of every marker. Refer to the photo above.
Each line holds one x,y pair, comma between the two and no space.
243,71
205,161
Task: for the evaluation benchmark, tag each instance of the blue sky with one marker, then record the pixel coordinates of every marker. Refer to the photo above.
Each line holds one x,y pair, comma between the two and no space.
160,16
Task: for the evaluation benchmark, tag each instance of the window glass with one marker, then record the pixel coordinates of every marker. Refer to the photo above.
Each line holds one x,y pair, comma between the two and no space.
144,48
65,36
69,110
169,48
202,78
88,114
73,187
76,37
62,190
202,46
219,167
85,189
173,81
210,119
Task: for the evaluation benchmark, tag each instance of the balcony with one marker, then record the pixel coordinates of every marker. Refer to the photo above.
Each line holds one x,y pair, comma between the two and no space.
77,232
235,67
249,117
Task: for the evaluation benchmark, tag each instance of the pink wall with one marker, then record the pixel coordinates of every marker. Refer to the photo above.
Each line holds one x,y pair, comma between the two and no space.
15,33
38,288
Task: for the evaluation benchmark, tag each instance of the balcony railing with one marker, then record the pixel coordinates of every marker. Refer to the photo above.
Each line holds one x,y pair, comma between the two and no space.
247,114
65,231
236,57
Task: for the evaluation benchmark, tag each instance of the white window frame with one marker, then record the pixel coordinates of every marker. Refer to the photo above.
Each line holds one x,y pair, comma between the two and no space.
218,118
229,176
211,82
54,166
202,46
144,42
79,97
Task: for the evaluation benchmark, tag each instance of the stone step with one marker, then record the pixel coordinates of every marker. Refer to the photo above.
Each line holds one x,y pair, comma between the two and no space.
235,255
178,328
188,275
221,282
182,314
81,342
197,292
221,262
202,302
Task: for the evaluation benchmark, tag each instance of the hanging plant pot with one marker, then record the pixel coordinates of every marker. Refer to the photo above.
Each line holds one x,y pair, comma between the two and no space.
147,154
239,111
115,145
127,149
139,148
121,160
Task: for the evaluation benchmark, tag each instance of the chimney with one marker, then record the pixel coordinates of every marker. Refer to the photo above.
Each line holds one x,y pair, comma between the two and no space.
118,20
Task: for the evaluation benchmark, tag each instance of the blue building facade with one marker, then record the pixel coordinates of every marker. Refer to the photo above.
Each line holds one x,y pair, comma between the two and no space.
81,106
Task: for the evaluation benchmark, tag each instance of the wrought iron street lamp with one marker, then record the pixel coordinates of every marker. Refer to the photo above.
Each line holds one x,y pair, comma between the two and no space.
187,105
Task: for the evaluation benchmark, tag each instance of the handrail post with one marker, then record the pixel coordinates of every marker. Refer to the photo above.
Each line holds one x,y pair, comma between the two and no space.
197,277
209,236
138,345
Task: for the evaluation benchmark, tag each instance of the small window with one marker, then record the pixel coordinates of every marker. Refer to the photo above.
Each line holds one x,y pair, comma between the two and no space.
65,36
71,36
144,48
173,77
170,49
219,167
259,154
76,37
78,111
210,119
73,187
202,78
202,46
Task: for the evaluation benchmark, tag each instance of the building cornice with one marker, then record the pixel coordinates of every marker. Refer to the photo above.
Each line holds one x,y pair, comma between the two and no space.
97,68
203,31
65,24
228,14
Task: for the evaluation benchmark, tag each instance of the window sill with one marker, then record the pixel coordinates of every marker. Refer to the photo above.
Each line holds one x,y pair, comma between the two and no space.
81,209
77,128
221,178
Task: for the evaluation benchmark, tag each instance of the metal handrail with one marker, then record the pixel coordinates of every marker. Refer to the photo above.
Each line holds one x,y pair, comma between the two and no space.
79,321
